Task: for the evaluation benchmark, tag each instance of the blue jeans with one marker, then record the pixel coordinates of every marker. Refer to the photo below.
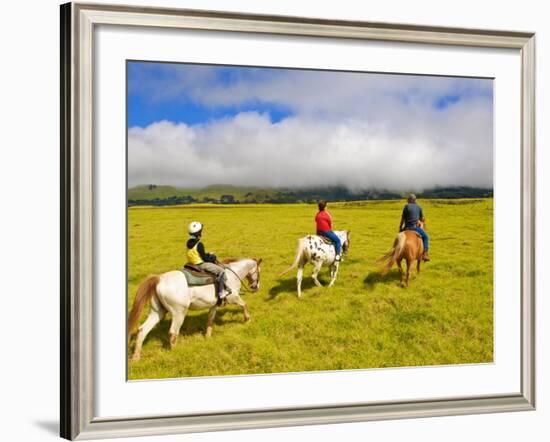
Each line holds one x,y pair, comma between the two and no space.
424,237
334,238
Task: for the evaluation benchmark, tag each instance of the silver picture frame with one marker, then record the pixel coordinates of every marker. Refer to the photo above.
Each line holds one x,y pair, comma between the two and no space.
78,21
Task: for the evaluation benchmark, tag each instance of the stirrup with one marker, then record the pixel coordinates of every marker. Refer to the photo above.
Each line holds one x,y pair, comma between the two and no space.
224,293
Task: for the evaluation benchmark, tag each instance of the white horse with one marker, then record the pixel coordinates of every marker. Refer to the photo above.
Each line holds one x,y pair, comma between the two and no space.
169,292
313,249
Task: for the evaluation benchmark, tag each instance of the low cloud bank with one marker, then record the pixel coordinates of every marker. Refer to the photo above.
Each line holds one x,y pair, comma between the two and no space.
299,152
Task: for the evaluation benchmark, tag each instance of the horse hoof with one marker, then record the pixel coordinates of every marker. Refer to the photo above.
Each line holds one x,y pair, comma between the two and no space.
135,358
173,341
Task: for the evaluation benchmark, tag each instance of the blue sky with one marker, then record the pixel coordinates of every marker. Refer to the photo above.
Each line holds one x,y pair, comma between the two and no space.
144,109
143,112
258,126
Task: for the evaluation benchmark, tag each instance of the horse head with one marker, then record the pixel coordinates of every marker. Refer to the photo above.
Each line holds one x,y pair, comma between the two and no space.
345,243
253,275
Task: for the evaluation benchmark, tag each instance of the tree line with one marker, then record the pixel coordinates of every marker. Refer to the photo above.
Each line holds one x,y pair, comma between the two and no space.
288,196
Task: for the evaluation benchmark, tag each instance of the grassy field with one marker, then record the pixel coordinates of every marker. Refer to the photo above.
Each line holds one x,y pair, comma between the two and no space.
366,320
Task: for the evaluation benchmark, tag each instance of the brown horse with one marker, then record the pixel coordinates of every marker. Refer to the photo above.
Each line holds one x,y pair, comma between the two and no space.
407,245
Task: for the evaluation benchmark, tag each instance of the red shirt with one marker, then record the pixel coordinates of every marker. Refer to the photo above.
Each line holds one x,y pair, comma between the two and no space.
324,221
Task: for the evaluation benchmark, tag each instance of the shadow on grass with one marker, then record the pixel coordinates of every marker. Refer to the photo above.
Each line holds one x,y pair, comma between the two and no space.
375,278
289,286
348,261
192,325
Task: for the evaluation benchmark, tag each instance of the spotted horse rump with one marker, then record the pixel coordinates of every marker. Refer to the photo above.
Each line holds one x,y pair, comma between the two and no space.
321,248
313,249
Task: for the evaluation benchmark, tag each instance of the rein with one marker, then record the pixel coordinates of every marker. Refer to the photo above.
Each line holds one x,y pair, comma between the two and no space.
248,289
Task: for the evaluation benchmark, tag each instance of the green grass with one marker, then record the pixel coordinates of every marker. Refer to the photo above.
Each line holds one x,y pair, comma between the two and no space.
366,320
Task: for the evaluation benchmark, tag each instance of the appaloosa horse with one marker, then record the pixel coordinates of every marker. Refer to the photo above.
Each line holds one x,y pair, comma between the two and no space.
169,292
314,249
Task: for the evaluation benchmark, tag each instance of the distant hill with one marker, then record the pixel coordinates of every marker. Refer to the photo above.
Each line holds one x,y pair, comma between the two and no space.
227,194
214,191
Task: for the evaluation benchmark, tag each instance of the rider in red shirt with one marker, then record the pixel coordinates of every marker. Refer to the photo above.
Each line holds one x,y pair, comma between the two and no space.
324,227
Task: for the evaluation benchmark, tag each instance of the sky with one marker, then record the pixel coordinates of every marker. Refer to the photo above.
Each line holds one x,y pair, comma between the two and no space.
197,125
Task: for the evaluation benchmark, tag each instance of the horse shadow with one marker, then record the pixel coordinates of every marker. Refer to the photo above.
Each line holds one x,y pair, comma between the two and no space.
289,286
374,278
192,325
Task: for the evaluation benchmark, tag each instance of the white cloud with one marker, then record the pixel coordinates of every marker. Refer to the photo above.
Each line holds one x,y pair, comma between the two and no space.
357,130
251,150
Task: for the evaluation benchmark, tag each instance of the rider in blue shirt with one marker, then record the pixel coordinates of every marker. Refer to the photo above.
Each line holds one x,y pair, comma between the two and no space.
412,213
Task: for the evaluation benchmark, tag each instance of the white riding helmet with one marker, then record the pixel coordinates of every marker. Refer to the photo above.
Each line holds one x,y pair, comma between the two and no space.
194,228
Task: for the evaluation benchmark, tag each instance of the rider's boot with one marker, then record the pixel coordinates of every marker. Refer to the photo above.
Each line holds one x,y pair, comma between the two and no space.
222,295
224,292
425,256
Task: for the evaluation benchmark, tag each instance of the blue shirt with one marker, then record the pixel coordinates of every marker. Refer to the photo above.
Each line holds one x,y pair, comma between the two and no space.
412,212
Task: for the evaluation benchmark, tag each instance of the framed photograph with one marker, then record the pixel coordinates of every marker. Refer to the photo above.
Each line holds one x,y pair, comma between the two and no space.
275,221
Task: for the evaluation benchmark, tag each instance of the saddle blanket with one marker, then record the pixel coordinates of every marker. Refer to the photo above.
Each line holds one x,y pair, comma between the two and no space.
195,277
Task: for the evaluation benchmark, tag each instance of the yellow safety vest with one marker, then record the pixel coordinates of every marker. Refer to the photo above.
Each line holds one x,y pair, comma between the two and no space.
193,255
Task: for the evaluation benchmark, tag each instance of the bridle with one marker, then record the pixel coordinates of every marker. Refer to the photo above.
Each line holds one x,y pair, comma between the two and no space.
256,273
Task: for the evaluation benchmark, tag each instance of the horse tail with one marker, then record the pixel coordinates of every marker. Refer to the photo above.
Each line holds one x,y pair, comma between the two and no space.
393,254
144,293
401,240
299,252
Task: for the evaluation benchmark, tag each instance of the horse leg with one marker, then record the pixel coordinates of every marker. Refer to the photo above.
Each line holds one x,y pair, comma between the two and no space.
408,272
418,261
333,274
316,269
177,321
299,275
236,299
155,316
210,321
400,269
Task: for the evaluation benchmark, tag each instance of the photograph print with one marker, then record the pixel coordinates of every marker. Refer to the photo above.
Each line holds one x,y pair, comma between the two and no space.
285,220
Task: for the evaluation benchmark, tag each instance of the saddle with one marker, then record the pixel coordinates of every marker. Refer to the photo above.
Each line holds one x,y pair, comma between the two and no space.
326,240
413,231
197,277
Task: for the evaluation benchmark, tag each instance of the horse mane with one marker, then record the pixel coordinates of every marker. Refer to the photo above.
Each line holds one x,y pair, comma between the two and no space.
230,260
